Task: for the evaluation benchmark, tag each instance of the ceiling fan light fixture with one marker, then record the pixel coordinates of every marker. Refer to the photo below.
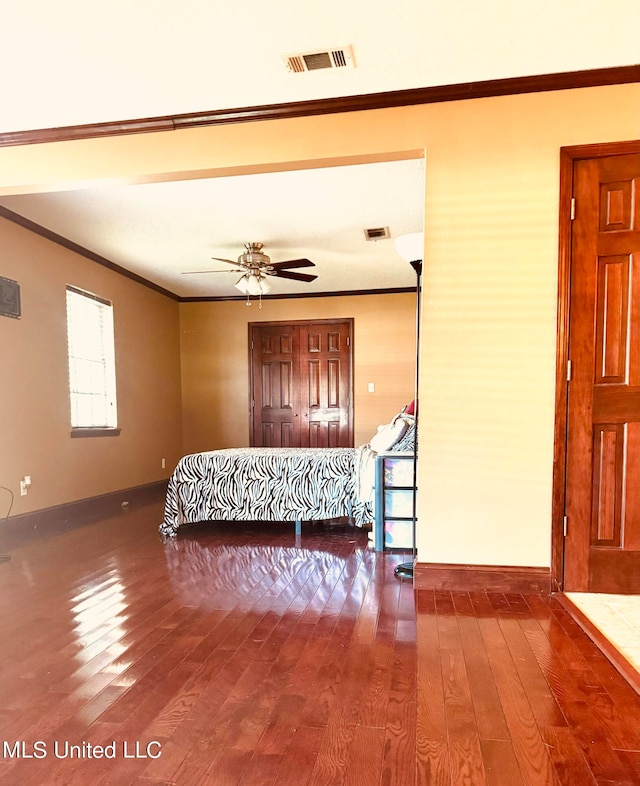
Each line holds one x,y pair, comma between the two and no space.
253,284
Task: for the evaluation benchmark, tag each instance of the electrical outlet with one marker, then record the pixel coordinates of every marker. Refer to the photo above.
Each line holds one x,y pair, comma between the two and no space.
25,485
164,463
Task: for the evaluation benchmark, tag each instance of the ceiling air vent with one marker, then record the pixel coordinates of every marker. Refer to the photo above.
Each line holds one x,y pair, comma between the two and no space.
317,61
377,233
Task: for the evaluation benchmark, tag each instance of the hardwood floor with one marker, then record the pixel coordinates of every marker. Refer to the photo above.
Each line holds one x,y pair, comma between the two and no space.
236,655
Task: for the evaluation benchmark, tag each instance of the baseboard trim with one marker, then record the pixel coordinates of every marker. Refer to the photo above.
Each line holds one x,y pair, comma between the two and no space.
47,522
489,578
622,665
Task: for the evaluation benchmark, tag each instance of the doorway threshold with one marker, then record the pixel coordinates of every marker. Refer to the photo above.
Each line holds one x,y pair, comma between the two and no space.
613,624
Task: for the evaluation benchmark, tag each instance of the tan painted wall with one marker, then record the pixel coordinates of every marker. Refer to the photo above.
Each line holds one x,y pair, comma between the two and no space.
491,213
215,361
487,394
34,399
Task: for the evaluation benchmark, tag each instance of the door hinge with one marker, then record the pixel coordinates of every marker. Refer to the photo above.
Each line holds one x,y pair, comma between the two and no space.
573,208
568,371
565,526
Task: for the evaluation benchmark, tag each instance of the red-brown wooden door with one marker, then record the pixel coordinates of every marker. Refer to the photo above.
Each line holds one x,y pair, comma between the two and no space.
325,375
275,358
301,381
602,545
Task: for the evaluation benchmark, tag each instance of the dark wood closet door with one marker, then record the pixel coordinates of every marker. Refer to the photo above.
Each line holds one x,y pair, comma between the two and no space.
301,379
275,358
325,376
602,546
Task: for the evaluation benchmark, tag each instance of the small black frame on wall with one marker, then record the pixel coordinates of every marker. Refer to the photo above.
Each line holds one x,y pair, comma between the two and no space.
9,298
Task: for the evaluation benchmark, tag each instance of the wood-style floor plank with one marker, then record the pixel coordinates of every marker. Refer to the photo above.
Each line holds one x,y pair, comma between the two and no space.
489,714
247,656
465,754
433,765
527,742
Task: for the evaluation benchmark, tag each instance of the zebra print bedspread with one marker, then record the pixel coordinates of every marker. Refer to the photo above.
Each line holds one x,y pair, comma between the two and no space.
267,484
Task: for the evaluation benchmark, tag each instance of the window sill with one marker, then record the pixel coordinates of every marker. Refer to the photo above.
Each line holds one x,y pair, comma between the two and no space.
95,432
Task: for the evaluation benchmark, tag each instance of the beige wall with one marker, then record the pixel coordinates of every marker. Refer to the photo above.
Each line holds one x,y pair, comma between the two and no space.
491,217
215,361
487,394
34,398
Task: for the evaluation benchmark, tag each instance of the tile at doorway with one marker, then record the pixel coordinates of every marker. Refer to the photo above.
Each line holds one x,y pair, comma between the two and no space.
617,617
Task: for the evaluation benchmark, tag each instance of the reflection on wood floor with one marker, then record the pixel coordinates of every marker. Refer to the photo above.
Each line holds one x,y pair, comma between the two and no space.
241,655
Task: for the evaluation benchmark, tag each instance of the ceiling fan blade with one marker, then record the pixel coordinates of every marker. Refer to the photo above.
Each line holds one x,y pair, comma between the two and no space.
226,270
222,259
293,276
292,263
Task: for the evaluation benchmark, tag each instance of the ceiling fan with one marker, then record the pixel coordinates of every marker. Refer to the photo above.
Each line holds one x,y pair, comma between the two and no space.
255,266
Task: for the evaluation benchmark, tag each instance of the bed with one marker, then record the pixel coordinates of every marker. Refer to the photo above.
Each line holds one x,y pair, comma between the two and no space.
280,484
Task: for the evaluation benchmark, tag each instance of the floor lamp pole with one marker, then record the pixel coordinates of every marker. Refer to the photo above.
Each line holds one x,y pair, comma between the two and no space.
405,569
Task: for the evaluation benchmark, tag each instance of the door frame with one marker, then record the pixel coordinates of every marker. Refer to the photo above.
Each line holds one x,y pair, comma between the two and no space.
568,158
329,321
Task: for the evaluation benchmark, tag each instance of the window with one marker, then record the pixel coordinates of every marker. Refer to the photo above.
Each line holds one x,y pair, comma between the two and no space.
92,371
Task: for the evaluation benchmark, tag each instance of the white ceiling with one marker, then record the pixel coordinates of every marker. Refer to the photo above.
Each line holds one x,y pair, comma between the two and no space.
161,230
73,62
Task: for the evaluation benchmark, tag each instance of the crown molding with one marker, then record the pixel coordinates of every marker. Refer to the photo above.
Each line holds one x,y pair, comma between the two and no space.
38,229
569,80
497,87
300,295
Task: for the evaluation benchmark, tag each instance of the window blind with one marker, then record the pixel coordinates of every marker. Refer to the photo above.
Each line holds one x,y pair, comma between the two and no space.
92,374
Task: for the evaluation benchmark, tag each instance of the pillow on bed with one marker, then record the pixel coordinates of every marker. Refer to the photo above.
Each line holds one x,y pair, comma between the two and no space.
407,442
388,435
